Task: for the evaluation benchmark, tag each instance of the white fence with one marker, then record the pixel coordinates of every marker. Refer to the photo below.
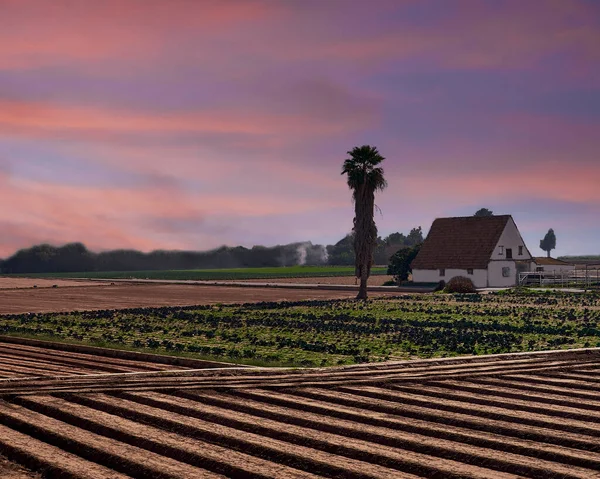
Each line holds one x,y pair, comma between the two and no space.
580,278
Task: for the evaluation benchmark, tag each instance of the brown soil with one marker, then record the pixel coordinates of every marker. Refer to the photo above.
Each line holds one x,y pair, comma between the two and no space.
491,417
345,280
27,283
126,295
10,470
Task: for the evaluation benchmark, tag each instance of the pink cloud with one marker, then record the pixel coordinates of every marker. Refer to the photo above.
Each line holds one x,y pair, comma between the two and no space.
478,35
131,217
39,33
558,182
41,119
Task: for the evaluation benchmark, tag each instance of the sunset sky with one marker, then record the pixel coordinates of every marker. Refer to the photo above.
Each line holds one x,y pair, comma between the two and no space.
174,124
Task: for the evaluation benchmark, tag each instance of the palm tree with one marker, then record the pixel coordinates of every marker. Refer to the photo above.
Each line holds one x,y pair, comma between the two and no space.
364,179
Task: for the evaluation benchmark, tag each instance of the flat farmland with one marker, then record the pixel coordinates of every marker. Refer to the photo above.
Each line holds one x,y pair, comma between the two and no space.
133,295
235,274
14,282
318,332
495,417
377,280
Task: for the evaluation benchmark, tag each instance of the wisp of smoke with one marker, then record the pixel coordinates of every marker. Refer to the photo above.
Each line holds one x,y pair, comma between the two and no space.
302,253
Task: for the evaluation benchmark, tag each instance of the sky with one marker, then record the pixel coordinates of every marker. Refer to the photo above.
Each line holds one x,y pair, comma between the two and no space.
176,124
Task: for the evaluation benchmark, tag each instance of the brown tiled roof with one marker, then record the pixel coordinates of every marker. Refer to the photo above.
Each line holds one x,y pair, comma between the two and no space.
462,243
543,261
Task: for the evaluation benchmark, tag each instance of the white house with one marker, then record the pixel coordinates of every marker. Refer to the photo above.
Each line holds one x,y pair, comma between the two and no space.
487,249
551,265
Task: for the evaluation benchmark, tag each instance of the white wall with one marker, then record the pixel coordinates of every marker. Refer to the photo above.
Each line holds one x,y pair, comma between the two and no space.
510,238
495,276
479,276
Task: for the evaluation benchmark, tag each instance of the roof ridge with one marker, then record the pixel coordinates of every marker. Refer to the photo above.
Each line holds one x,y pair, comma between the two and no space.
461,242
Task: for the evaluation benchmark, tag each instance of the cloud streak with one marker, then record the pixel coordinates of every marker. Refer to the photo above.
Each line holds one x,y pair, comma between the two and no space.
182,124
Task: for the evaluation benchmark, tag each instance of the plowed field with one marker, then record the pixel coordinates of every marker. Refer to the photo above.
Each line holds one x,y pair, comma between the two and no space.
129,295
505,416
28,283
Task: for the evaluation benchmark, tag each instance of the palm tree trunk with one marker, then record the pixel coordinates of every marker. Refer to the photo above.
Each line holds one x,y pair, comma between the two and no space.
362,290
365,236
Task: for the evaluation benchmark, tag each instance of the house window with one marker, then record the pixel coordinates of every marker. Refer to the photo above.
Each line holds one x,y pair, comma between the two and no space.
501,250
506,272
520,251
469,271
539,269
508,253
442,272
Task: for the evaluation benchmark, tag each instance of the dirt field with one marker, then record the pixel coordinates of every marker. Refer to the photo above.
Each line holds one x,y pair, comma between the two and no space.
496,417
125,295
28,283
21,358
10,470
347,280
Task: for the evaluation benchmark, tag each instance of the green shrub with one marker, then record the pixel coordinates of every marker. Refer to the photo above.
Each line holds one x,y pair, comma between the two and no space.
460,284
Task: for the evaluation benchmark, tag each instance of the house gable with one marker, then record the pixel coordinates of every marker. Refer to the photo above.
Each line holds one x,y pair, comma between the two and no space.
511,240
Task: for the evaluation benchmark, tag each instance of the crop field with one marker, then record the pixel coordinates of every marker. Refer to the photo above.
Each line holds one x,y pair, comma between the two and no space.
219,274
532,415
334,332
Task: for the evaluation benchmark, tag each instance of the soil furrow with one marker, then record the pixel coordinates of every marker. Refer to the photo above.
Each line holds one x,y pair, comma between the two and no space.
67,360
292,426
515,393
489,400
576,377
30,371
71,355
522,384
487,412
12,358
408,449
192,451
122,457
199,378
563,383
354,424
315,461
53,461
387,408
43,366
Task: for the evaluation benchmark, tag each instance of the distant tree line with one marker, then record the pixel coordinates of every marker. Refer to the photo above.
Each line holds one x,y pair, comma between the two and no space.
75,257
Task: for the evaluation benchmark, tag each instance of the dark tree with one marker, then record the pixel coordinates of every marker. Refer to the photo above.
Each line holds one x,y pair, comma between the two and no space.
549,242
364,178
399,266
484,212
395,239
415,237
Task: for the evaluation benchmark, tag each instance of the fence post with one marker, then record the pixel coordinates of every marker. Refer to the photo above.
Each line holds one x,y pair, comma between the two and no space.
586,278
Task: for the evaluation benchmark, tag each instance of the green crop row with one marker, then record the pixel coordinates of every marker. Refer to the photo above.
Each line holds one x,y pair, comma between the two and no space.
322,333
